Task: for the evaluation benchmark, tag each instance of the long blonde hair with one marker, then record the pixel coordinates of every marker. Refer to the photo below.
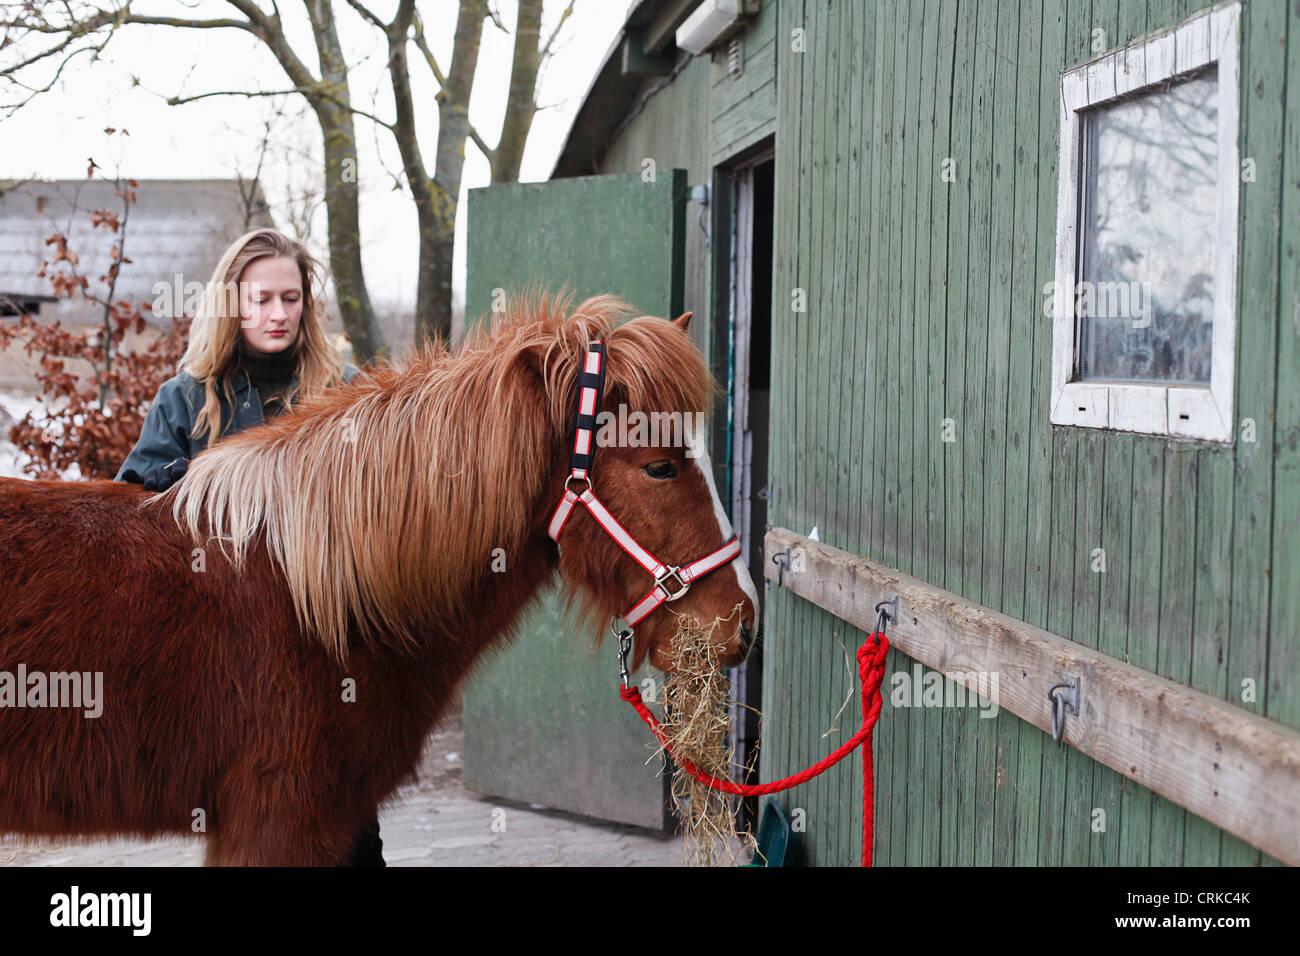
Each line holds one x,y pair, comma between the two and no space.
214,335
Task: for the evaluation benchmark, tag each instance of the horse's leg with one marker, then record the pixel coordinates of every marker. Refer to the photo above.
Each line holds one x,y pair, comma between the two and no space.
284,836
214,853
284,821
369,846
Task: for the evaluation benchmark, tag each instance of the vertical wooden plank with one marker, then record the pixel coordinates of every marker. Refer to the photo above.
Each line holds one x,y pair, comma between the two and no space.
922,350
898,435
1174,650
891,451
1002,179
904,315
958,229
1024,319
814,418
796,478
1213,598
865,326
1059,29
975,834
907,130
846,794
1284,624
884,187
1116,540
935,350
821,112
940,253
977,314
959,192
1263,87
1063,568
1144,623
884,184
834,434
997,271
1026,312
792,483
934,74
1076,825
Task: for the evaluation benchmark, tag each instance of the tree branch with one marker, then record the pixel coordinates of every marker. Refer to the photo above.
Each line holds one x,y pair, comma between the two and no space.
423,46
568,11
362,9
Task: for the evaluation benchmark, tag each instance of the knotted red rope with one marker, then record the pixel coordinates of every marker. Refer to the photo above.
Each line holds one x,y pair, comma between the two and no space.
871,673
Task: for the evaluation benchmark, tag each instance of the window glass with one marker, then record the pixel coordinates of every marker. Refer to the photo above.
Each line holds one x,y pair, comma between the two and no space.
1145,302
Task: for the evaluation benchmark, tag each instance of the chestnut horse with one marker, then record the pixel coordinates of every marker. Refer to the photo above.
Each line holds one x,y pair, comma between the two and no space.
278,632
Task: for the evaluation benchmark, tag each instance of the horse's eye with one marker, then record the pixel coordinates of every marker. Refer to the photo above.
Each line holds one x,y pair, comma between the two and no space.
661,470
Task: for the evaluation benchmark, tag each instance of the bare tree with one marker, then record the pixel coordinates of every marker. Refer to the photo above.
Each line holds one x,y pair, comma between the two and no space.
437,196
58,33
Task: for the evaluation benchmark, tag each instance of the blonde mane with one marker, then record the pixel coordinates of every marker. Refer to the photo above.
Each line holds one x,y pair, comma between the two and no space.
383,500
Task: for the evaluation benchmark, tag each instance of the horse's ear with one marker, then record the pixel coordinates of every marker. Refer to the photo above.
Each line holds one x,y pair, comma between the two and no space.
683,321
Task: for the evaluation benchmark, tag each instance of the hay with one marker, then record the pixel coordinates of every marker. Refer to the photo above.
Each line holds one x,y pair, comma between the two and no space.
696,721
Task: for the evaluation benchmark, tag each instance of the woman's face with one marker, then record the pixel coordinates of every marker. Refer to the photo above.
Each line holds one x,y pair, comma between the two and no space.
270,303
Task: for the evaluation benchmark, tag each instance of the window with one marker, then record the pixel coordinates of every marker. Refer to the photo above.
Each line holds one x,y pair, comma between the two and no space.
1144,302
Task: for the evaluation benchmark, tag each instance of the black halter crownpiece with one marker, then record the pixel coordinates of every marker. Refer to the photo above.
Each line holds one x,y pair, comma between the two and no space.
586,406
671,582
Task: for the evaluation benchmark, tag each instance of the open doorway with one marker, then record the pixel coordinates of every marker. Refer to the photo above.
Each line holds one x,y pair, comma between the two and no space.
743,224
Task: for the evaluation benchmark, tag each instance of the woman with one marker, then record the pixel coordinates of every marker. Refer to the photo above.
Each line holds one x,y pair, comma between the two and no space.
256,346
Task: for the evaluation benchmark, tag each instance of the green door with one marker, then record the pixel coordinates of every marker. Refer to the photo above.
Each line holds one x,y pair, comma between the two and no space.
543,720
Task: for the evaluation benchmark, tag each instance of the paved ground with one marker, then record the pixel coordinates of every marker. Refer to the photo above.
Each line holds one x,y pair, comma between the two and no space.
437,822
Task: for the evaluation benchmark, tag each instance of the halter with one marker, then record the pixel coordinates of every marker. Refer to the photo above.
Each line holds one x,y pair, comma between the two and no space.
671,582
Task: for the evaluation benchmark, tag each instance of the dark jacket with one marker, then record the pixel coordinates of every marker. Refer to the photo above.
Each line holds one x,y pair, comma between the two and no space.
165,435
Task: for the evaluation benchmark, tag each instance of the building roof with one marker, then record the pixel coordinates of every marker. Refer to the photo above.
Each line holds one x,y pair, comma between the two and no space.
176,226
613,94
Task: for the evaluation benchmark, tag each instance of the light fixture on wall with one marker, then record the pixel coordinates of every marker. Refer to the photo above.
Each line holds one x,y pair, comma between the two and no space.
712,22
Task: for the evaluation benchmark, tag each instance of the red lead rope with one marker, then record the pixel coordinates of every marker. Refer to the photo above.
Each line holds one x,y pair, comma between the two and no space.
871,672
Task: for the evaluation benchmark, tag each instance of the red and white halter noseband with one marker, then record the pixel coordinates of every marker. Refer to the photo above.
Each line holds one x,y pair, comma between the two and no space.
591,386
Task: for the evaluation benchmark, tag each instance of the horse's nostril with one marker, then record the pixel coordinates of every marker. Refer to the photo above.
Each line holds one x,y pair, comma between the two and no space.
746,637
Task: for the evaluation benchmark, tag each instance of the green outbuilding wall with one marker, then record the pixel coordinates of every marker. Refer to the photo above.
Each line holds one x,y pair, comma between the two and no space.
923,303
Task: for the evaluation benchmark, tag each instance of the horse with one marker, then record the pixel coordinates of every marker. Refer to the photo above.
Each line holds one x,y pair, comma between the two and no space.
278,632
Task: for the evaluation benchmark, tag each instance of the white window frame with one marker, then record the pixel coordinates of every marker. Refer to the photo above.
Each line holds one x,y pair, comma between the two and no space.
1181,411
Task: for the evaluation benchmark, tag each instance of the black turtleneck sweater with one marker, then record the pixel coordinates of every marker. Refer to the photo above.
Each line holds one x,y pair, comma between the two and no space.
270,372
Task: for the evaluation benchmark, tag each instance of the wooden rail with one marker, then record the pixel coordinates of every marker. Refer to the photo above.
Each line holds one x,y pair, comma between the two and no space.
1238,771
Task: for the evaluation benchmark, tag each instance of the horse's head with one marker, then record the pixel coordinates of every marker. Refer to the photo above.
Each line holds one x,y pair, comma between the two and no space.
650,473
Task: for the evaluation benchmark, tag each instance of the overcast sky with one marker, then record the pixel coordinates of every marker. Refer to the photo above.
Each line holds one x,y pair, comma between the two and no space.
218,137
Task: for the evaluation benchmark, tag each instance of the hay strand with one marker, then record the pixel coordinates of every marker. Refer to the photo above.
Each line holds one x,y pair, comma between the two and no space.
697,715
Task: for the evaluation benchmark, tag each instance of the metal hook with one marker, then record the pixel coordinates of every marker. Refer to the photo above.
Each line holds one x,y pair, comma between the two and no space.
886,611
782,560
1067,699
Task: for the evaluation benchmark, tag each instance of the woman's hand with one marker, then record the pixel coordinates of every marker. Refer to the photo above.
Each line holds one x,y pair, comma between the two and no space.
159,477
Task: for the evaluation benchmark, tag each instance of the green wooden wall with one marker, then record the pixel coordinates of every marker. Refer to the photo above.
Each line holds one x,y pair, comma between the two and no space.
924,303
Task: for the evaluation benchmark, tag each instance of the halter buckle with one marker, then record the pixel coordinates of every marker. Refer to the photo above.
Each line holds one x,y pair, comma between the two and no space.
671,574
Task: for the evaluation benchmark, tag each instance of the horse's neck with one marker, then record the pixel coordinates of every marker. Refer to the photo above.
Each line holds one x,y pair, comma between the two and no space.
487,613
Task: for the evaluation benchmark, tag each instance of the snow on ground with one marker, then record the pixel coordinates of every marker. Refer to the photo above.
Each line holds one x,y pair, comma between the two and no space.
12,410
